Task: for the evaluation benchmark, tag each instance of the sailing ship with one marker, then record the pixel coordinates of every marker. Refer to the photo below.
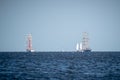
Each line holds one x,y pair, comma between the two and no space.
29,43
84,45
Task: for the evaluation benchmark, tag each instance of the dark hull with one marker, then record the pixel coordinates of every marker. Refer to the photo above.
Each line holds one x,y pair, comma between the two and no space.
87,50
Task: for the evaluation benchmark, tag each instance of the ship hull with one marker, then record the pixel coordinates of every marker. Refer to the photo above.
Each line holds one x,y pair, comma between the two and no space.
30,50
87,50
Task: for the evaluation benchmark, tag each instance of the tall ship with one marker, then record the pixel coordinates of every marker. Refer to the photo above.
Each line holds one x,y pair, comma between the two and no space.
29,43
84,45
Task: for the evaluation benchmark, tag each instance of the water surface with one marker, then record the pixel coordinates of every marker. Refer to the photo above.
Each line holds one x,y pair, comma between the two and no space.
59,66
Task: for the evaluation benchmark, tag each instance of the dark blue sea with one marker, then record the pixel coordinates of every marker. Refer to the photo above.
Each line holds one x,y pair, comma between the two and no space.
59,66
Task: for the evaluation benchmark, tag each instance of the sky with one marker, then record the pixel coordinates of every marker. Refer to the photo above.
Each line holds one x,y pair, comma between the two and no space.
58,25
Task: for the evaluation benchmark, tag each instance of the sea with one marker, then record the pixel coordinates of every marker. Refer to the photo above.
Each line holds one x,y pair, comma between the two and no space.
60,66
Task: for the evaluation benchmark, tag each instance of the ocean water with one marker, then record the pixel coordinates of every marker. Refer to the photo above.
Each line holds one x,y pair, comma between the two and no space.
59,66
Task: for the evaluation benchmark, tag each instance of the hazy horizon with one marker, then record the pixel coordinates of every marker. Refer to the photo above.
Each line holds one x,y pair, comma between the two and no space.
57,25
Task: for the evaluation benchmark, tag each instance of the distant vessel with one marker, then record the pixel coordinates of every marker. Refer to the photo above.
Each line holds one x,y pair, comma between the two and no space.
84,45
29,43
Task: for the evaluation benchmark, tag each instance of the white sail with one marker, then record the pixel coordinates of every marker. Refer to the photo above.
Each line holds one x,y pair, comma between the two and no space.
77,47
81,47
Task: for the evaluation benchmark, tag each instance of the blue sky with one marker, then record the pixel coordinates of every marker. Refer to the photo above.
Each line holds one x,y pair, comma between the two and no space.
58,24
